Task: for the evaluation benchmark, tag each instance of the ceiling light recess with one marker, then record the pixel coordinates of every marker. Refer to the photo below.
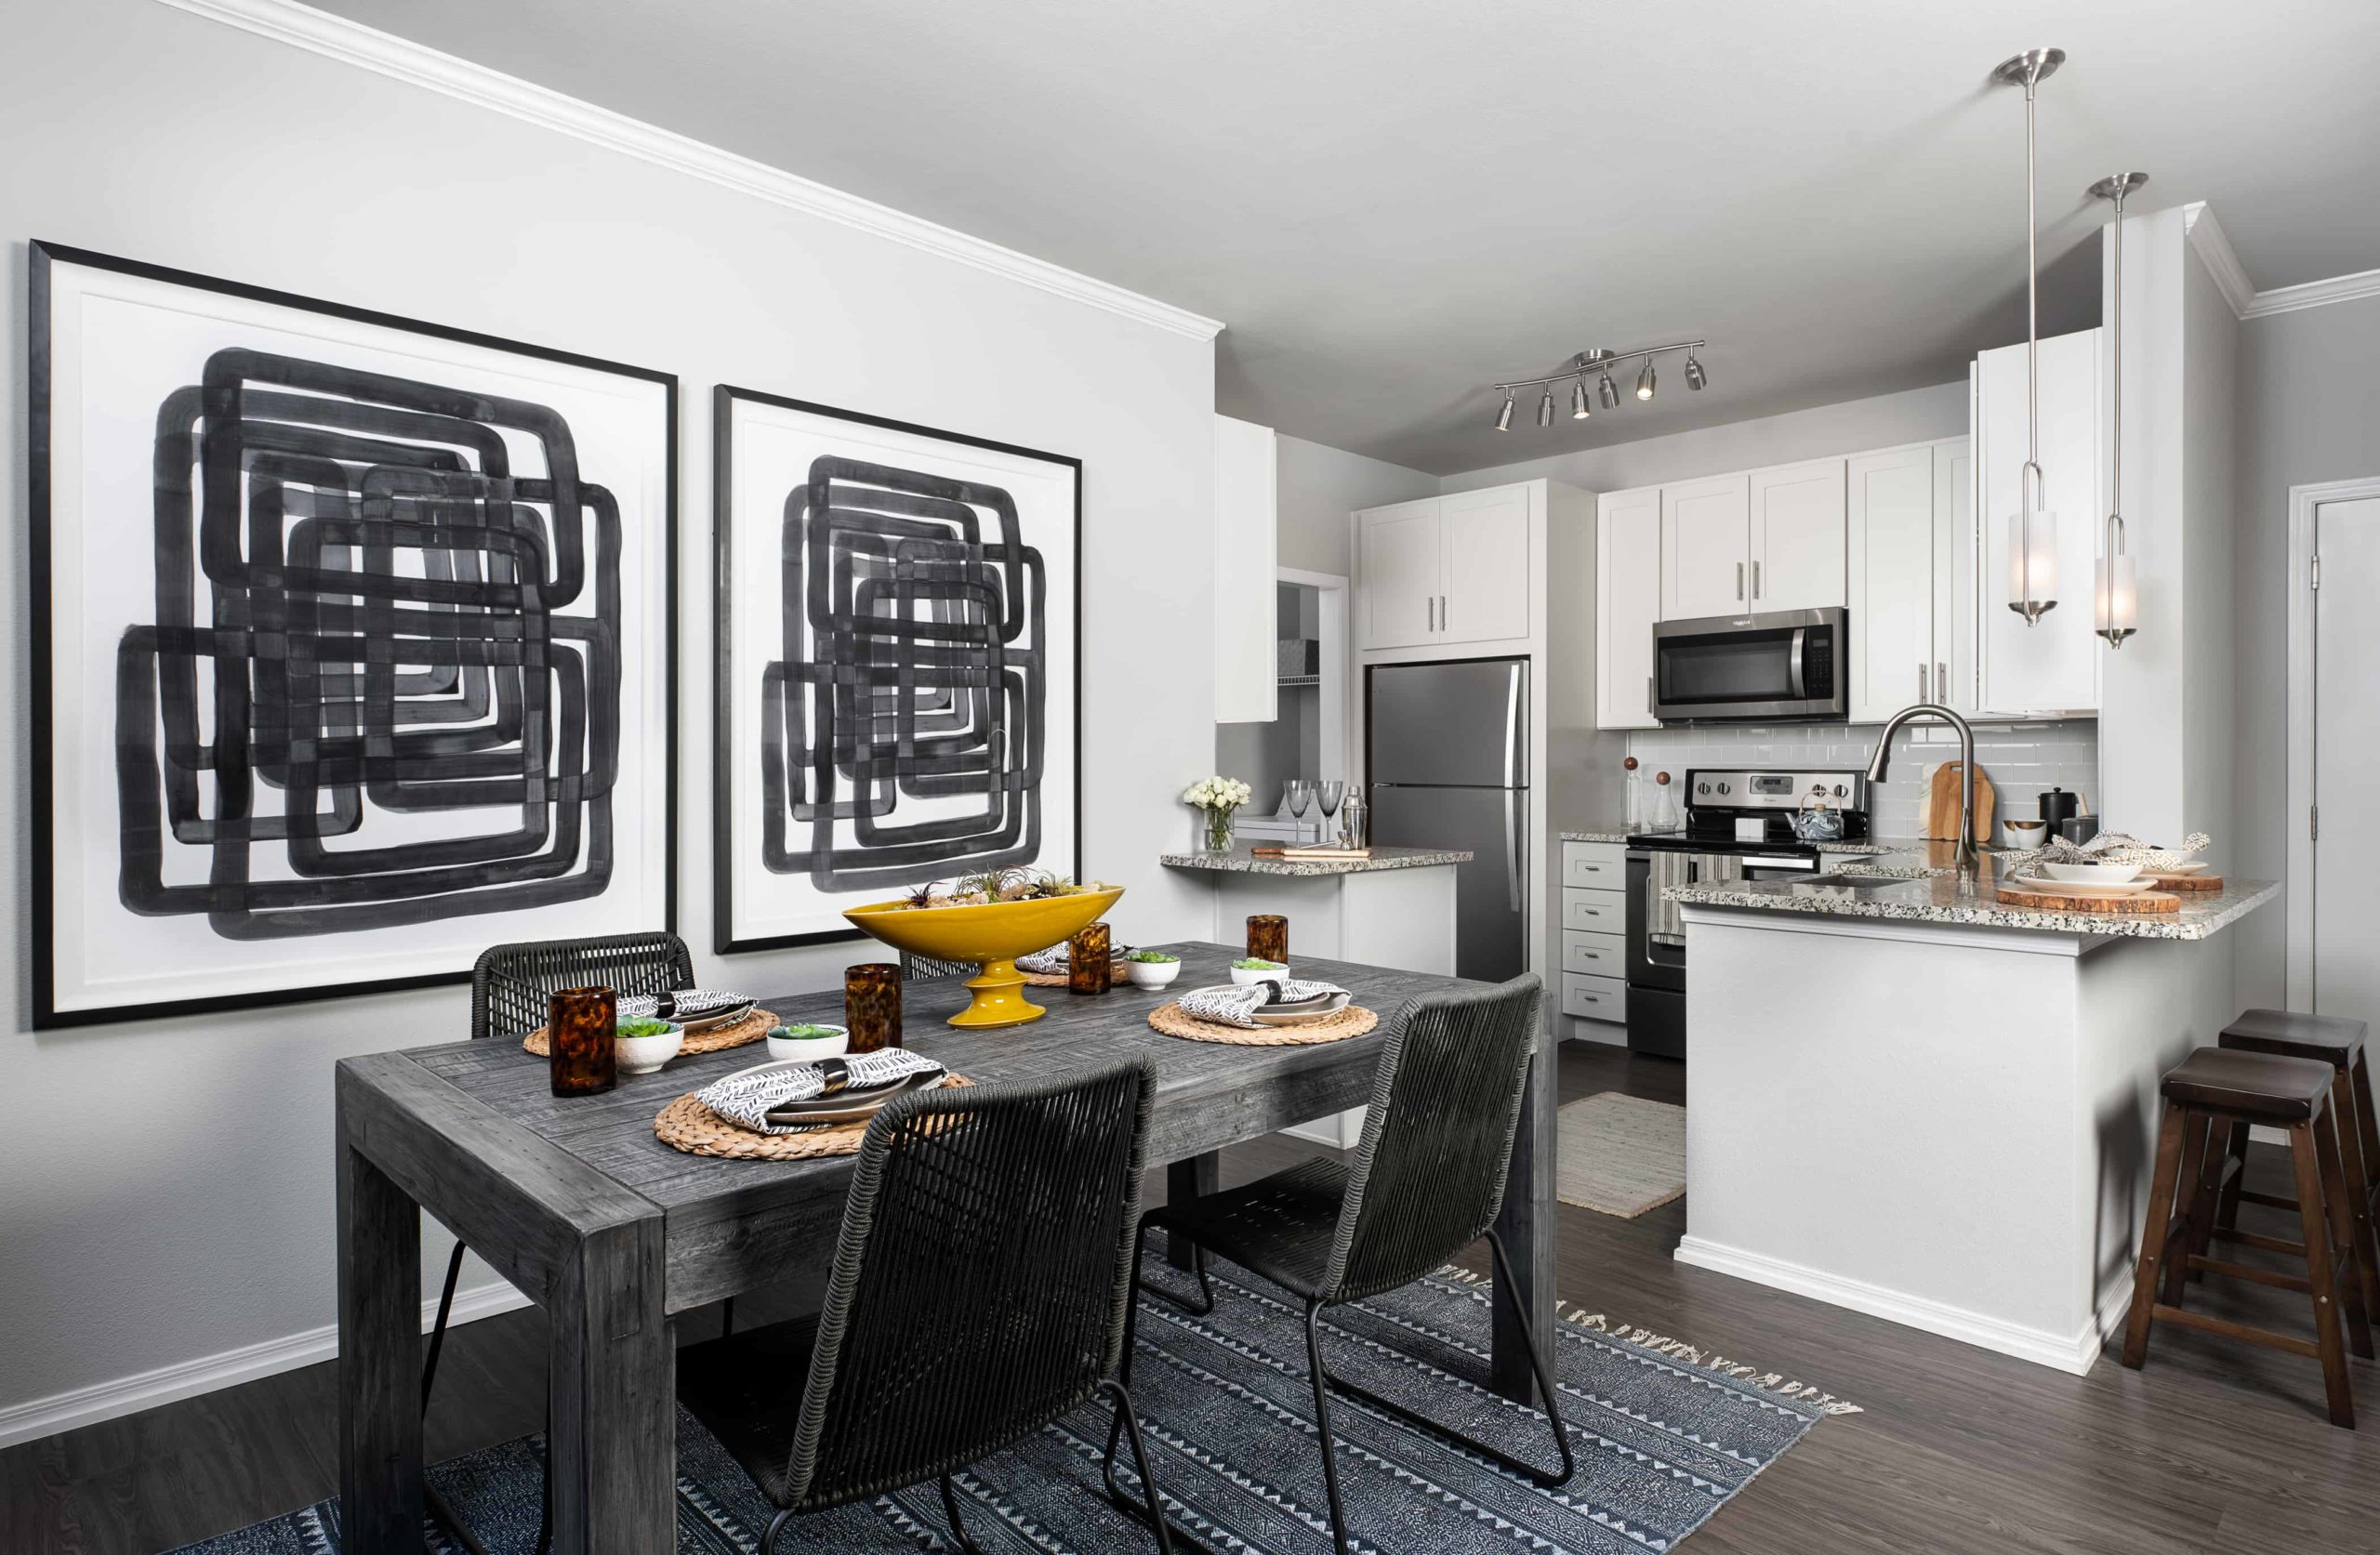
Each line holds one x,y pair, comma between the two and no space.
1598,364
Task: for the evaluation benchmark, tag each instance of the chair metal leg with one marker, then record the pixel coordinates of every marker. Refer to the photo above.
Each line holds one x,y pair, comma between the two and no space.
1322,1425
438,1329
1206,1302
950,1509
769,1539
1151,1511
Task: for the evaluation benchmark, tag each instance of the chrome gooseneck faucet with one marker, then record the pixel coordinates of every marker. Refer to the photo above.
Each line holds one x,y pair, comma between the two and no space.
1876,764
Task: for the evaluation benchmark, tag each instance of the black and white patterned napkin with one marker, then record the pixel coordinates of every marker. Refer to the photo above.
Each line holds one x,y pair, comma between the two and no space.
685,1004
775,1100
1236,1004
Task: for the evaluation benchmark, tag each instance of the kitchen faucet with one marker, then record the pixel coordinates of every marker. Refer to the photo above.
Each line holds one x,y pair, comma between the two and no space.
1876,764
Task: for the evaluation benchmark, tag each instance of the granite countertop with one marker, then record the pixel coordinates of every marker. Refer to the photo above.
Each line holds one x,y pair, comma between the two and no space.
1601,834
1240,861
1926,888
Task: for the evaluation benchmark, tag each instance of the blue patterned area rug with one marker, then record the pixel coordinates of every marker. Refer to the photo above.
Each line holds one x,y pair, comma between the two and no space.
1663,1436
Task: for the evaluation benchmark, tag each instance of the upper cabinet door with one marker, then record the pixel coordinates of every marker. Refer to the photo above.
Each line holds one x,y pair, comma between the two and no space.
1954,574
1797,536
1706,548
1398,560
1892,567
1247,546
2052,665
1486,593
1627,603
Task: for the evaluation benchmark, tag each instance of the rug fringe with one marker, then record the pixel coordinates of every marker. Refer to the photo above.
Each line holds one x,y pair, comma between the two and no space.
1596,1323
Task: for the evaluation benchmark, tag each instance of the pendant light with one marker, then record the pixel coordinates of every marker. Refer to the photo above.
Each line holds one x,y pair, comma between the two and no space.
1504,415
1579,409
2032,538
1545,409
2115,590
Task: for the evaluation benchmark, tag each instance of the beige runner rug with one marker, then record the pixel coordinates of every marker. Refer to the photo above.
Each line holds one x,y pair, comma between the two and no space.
1620,1154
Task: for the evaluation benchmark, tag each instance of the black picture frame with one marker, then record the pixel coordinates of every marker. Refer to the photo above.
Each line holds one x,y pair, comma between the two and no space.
43,256
724,397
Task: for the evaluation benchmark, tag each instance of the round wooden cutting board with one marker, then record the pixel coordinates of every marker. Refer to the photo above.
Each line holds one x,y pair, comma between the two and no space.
2048,899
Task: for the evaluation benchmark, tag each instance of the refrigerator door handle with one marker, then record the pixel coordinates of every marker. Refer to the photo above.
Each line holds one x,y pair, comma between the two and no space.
1512,774
1513,849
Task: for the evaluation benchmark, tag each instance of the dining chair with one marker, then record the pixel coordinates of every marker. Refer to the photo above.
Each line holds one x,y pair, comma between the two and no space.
1427,1180
926,968
510,985
978,1292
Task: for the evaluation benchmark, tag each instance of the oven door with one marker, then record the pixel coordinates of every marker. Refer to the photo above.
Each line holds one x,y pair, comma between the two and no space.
1785,665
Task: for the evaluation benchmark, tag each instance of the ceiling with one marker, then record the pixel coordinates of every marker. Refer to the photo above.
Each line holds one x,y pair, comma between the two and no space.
1395,203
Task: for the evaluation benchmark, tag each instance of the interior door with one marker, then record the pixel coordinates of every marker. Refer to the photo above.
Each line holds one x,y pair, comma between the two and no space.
1891,569
1797,536
2347,744
1485,540
1397,575
1706,548
1628,605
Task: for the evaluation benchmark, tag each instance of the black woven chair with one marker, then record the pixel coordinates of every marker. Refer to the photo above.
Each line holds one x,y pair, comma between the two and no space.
510,985
932,968
1427,1181
979,1291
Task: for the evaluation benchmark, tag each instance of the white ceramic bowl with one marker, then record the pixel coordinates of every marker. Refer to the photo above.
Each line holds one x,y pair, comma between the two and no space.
2027,834
1152,974
784,1049
1246,976
2094,873
643,1055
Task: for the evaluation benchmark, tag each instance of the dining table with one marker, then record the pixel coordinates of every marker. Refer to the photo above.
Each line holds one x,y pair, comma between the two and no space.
578,1204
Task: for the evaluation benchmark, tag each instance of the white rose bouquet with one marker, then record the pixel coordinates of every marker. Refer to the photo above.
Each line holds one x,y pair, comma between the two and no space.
1218,797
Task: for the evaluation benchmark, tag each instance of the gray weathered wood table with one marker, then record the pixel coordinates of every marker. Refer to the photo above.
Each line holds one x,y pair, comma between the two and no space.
576,1203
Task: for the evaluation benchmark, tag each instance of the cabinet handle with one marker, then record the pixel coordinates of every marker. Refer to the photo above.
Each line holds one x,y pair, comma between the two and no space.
1430,610
1442,613
1941,682
1921,683
1755,580
1740,580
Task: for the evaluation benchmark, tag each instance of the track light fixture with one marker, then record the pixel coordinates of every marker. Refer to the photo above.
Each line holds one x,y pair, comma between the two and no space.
1598,364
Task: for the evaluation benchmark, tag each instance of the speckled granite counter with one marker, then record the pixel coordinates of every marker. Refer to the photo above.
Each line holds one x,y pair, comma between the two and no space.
1239,861
1600,834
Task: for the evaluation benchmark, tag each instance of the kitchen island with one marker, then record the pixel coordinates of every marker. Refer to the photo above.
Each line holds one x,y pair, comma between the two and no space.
1914,1100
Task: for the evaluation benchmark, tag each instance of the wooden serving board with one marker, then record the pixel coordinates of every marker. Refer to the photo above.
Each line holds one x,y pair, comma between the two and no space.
2050,900
1942,804
2187,882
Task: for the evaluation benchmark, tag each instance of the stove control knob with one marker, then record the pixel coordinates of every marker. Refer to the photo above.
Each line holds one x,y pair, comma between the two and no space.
1723,789
1703,788
1840,791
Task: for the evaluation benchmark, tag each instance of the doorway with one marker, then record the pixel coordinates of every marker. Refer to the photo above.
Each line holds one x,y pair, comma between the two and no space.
1308,735
2335,742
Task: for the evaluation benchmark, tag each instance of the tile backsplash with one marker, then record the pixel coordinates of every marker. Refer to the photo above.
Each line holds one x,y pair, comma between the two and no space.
2020,760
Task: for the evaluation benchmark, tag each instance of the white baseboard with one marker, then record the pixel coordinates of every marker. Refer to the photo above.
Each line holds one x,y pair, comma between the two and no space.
2072,1353
1340,1130
35,1418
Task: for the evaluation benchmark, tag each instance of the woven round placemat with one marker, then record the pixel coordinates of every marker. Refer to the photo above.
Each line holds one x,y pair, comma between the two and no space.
1353,1021
689,1126
717,1040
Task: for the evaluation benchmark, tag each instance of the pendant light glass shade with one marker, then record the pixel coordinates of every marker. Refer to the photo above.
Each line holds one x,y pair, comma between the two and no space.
2033,553
2115,590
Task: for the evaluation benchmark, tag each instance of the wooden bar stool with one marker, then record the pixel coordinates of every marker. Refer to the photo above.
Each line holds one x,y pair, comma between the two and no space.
2337,1041
2226,1088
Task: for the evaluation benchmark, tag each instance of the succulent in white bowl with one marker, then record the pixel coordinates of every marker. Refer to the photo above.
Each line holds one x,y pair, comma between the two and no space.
1152,968
1253,969
808,1040
640,1046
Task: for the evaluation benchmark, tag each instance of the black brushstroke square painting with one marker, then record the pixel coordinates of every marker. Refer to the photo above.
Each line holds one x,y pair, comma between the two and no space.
354,640
898,683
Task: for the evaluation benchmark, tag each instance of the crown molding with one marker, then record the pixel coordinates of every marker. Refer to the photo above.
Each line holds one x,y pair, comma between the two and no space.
403,60
2314,293
2205,235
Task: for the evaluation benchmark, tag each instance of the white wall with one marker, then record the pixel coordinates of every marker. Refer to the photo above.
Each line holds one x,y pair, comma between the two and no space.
165,1186
1319,485
2309,411
1884,421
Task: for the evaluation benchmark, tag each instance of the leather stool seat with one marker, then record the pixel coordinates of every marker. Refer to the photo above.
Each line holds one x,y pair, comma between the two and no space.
2333,1038
2260,1085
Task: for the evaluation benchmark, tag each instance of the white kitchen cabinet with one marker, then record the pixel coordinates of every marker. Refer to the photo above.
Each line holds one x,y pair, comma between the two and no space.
1706,548
1444,569
1247,544
1902,511
2051,665
1954,574
1797,542
1397,555
1628,605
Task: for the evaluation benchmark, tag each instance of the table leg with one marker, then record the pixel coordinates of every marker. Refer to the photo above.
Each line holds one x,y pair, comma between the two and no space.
613,1379
380,1350
1193,1177
1526,1225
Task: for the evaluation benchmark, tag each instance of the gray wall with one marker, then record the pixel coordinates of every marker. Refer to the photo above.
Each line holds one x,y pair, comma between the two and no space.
2309,411
1317,486
1915,416
165,1185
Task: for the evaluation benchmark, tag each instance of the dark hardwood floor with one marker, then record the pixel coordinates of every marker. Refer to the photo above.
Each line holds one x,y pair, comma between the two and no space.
2213,1447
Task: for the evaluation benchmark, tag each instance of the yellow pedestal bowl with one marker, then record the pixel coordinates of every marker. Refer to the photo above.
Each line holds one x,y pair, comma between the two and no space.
993,936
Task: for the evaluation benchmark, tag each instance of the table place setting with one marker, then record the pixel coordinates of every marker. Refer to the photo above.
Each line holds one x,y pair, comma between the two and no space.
1264,1005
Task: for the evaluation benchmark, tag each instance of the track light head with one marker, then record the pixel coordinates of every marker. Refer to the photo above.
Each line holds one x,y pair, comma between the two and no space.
1504,414
1545,408
1695,377
1645,381
1580,410
1609,391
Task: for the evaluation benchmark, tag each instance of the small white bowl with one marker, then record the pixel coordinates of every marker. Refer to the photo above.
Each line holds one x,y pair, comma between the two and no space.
784,1049
2094,873
643,1055
1152,974
1248,976
2024,834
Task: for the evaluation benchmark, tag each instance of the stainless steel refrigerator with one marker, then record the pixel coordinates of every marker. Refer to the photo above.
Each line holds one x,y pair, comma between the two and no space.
1449,765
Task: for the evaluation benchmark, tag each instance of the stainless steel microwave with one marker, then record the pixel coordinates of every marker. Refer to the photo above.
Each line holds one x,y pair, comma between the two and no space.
1787,665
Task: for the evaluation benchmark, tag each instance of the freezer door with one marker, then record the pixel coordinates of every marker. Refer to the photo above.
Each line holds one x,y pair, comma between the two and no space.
1491,891
1458,723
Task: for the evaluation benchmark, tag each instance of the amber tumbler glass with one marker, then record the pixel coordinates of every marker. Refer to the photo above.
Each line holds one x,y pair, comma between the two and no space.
1268,937
872,1005
1090,969
581,1025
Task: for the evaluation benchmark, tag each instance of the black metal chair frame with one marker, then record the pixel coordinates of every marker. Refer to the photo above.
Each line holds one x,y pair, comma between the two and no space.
1400,1175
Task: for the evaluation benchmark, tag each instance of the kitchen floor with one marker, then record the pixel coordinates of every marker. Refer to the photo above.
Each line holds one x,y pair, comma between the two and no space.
2213,1447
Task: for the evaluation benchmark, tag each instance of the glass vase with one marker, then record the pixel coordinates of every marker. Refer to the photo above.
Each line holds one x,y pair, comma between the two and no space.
1215,833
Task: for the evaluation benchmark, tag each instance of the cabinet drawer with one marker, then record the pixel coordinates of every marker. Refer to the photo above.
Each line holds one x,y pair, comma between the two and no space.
1599,912
1599,954
1595,866
1595,998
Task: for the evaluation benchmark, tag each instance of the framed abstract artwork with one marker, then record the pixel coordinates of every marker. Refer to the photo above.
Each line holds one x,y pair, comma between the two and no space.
899,682
353,644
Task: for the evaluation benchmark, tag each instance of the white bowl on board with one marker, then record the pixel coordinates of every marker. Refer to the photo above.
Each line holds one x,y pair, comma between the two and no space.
2094,873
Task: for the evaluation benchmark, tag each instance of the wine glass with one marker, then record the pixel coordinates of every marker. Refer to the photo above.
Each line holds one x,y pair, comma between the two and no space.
1330,793
1301,797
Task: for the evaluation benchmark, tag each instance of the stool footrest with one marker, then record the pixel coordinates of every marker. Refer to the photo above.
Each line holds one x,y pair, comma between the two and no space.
2271,1200
2263,1244
2278,1279
2231,1330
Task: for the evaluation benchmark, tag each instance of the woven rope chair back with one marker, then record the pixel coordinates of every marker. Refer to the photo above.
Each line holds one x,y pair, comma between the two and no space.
979,1286
932,968
1429,1173
511,983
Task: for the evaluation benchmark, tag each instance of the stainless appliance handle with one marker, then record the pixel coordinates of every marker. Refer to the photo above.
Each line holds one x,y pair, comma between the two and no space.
1740,580
1648,698
1755,860
1513,728
1511,849
1793,653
